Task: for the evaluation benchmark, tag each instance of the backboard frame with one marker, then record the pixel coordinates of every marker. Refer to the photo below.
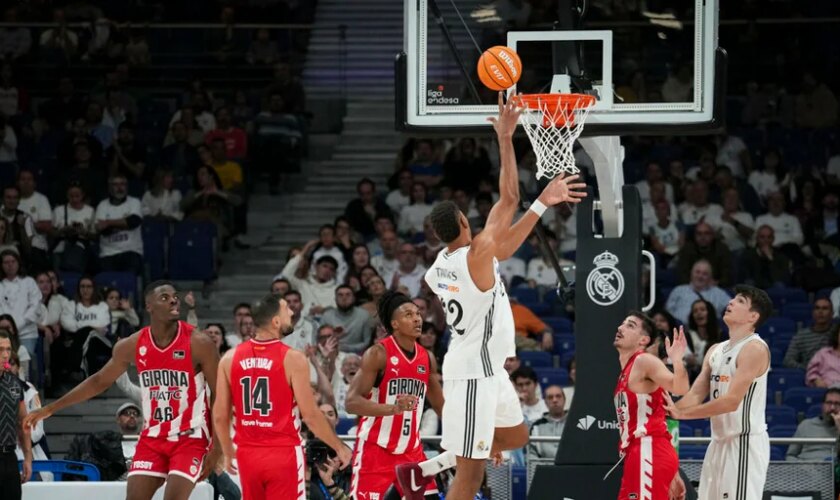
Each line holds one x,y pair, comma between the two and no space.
704,115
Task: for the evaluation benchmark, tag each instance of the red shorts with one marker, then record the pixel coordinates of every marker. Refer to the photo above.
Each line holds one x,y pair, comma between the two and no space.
159,457
373,470
268,473
649,467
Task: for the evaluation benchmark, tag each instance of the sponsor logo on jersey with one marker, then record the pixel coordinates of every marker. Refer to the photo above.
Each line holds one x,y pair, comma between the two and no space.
141,464
448,288
196,461
394,360
167,378
179,355
421,369
605,283
193,470
401,386
719,378
158,395
143,350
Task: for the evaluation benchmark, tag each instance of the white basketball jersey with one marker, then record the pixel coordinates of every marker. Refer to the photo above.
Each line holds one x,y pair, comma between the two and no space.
481,323
748,419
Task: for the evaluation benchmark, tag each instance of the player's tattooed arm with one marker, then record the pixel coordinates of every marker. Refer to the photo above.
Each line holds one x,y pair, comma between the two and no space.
357,402
435,392
122,357
222,414
207,354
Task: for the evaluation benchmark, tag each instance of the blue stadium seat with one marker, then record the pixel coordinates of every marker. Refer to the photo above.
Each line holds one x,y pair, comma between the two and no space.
692,452
344,425
126,283
553,376
780,415
781,340
697,425
687,430
567,358
563,343
782,430
61,467
802,398
814,411
69,283
781,296
777,356
775,326
525,296
155,248
800,313
192,251
823,293
781,379
777,453
559,324
519,482
536,359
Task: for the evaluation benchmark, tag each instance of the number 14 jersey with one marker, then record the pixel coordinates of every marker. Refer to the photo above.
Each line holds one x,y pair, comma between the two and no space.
263,401
480,323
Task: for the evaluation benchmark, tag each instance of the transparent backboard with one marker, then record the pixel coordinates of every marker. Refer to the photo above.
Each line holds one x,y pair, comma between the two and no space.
654,71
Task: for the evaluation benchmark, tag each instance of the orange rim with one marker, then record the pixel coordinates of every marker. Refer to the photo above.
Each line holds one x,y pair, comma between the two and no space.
549,104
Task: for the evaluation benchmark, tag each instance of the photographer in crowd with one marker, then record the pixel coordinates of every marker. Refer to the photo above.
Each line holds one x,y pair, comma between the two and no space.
330,482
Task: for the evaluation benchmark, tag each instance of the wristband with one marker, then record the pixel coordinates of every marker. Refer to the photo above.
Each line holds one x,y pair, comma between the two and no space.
538,208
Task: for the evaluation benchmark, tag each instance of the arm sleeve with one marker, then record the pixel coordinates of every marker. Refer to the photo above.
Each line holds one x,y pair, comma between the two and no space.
103,319
33,302
68,316
132,318
144,204
290,269
130,389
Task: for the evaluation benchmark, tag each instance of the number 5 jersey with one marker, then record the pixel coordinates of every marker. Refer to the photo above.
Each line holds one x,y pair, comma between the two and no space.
480,323
175,397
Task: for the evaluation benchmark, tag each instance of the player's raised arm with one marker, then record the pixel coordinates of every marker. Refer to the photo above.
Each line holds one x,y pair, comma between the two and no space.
122,357
357,402
699,391
753,361
655,369
297,370
222,411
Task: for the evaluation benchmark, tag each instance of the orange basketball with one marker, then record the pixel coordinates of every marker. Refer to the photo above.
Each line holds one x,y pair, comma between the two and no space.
499,68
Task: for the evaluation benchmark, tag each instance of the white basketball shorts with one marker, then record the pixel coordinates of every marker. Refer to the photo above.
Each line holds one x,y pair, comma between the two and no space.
735,468
472,410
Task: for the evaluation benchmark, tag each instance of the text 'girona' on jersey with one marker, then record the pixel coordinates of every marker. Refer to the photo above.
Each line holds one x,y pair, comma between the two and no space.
265,407
398,434
639,415
175,396
481,323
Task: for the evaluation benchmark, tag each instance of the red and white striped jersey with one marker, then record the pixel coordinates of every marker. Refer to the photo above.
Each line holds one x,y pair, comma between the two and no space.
639,415
398,434
264,403
175,397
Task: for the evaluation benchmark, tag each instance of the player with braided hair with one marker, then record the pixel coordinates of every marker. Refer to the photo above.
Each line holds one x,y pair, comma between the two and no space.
396,376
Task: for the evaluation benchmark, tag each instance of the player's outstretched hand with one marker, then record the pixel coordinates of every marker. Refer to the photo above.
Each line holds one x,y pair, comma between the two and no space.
563,188
405,402
230,467
344,456
505,123
210,462
676,348
671,408
677,489
31,419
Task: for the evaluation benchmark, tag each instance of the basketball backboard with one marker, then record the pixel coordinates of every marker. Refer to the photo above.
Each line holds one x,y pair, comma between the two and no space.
653,72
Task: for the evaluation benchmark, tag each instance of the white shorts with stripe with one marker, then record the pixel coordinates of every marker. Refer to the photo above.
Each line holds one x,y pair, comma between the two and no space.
472,410
735,468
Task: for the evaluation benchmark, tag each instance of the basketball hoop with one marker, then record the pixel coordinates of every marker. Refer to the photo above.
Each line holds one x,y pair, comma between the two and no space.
553,123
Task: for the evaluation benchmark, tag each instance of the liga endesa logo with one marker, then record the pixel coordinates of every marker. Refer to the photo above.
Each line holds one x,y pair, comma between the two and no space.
436,95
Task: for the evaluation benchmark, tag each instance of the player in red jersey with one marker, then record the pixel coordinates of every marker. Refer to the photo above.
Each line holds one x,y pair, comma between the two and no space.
650,461
176,367
267,385
396,376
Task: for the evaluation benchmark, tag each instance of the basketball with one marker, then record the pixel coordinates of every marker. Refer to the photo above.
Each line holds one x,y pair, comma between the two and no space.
499,68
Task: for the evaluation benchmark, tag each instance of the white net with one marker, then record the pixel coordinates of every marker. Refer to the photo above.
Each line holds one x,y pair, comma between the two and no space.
553,123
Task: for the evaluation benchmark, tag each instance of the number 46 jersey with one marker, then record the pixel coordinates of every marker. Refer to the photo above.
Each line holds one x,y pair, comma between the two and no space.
263,401
480,323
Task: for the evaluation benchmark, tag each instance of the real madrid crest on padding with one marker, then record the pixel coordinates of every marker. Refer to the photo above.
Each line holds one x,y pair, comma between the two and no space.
605,283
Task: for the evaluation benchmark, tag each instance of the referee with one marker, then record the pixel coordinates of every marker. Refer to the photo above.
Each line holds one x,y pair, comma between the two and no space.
12,411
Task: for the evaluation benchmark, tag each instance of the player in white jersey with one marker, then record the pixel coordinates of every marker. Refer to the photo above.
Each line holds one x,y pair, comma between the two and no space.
481,413
734,376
